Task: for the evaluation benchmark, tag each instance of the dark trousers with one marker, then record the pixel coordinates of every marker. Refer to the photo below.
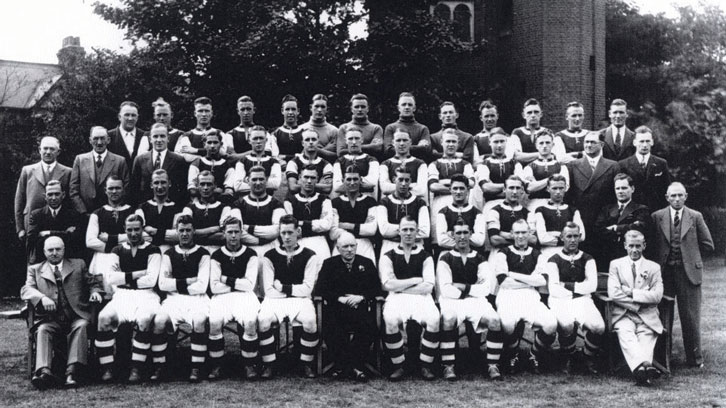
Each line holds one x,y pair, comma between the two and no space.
688,298
340,323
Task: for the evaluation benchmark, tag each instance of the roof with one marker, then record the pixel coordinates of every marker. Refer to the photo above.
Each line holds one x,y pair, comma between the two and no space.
23,84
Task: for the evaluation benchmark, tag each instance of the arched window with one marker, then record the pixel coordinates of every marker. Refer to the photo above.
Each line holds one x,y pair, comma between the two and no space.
462,22
442,11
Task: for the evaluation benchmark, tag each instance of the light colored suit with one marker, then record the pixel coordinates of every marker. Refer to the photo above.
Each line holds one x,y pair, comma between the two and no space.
85,183
635,317
30,193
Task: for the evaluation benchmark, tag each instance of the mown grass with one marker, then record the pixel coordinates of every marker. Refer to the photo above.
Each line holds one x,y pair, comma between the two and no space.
686,387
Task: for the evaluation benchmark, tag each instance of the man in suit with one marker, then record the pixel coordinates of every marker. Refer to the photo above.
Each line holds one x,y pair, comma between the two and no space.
90,171
618,138
30,193
591,182
614,220
55,219
680,236
636,288
163,114
60,290
649,172
159,158
127,140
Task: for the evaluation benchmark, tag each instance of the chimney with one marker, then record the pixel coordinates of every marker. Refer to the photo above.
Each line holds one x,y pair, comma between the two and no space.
71,52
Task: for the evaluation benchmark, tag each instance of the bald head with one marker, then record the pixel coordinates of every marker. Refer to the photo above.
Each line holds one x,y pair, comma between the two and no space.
347,246
54,250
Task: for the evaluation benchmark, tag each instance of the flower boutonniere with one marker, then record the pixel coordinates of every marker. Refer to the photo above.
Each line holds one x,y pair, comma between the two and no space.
361,269
644,274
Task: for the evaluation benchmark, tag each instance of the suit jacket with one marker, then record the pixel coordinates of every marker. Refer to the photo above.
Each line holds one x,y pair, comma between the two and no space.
626,147
650,183
30,193
118,146
694,237
591,190
647,290
175,166
42,220
78,285
610,244
85,184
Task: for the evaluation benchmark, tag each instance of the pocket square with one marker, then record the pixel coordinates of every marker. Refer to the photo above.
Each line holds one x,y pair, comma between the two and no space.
658,174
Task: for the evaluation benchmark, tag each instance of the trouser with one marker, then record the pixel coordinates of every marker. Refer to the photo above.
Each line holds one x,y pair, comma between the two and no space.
637,340
76,342
688,297
340,321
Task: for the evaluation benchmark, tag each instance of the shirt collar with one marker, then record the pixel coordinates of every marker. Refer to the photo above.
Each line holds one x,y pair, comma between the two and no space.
49,166
103,155
643,159
52,267
674,211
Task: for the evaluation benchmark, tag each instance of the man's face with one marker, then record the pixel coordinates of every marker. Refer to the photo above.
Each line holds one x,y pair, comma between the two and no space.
489,118
162,114
308,180
134,231
634,247
159,139
319,109
258,182
233,236
623,191
359,108
461,237
54,250
347,248
54,196
288,235
575,117
592,144
407,231
544,145
128,116
402,143
99,140
556,190
643,143
406,106
48,150
459,192
289,112
532,114
676,196
160,185
206,186
114,191
448,115
617,115
212,145
186,234
203,113
352,182
450,143
513,191
246,111
310,142
403,184
498,143
521,235
571,239
354,141
258,139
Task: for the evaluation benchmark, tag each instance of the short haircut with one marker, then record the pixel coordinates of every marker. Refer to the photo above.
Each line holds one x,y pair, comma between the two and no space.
52,139
619,102
406,95
574,104
206,173
571,225
160,172
515,179
210,133
202,100
459,178
98,128
600,135
320,97
352,169
310,167
460,222
634,234
128,103
674,185
288,219
487,104
244,98
159,126
112,177
345,235
449,131
258,128
402,130
289,98
623,176
358,96
497,131
231,221
257,169
448,103
353,129
402,170
134,218
530,102
643,130
555,178
184,219
160,102
545,132
409,219
520,221
54,183
311,130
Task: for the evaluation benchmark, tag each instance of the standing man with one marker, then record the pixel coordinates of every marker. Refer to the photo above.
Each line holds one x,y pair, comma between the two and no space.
309,158
59,288
368,167
160,157
355,213
314,213
537,173
492,171
681,235
257,157
448,115
158,213
222,169
573,137
90,171
618,138
489,116
349,284
126,140
327,133
526,135
33,179
419,134
240,135
191,145
415,167
650,173
55,219
288,137
371,133
163,114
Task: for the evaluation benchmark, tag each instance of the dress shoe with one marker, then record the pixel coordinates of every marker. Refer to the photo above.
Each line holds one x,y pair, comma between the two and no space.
250,373
266,373
641,376
215,373
591,366
134,375
107,375
427,374
42,379
652,372
71,381
449,373
493,372
534,364
308,371
158,374
359,376
397,374
195,375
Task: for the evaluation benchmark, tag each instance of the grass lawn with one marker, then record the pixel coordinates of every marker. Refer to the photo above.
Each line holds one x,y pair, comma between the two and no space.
684,388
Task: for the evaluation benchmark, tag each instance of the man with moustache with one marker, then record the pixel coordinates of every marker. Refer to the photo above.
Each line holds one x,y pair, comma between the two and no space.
126,140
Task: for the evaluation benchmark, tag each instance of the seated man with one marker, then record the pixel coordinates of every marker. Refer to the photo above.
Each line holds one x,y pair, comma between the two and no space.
289,273
636,288
257,157
314,213
212,161
493,170
502,216
537,173
407,274
233,276
415,167
355,213
309,158
550,218
208,213
367,165
158,213
262,213
349,285
463,289
460,208
133,271
55,289
184,277
572,278
519,269
55,219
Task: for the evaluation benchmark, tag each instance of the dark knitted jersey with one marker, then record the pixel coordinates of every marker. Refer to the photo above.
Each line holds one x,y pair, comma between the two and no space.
257,212
555,219
411,164
468,215
129,263
542,170
411,269
112,221
307,208
185,265
289,271
219,170
499,170
357,214
289,141
397,208
163,219
524,264
461,272
239,139
448,168
573,142
571,271
233,266
205,216
300,163
481,140
362,162
266,162
527,139
508,216
196,136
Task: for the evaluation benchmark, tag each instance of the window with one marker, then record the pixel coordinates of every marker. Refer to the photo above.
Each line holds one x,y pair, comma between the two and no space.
462,17
462,23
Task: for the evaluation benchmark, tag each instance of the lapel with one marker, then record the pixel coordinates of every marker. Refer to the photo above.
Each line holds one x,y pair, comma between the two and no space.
66,269
90,166
583,167
665,223
686,222
38,172
47,273
149,164
609,138
108,164
626,274
599,170
627,211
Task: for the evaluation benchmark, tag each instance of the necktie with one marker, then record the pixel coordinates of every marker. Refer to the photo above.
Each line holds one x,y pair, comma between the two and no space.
676,219
62,299
618,140
99,161
642,162
54,213
621,207
635,273
157,162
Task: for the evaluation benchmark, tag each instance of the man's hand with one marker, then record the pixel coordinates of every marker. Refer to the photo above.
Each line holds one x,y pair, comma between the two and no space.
71,229
612,228
277,285
48,304
150,230
189,150
21,235
354,300
96,297
423,142
103,237
628,291
43,234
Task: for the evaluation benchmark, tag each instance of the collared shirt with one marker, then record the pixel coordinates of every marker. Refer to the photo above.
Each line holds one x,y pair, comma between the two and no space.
618,134
129,139
674,212
643,159
103,155
622,205
60,266
155,153
48,167
594,160
54,212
